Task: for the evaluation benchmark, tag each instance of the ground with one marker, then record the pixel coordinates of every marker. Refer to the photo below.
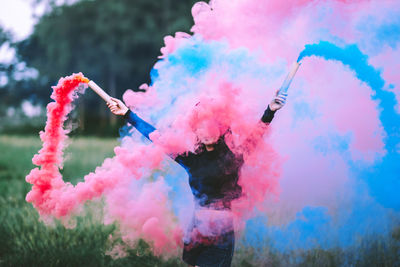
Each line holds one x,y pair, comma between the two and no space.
26,241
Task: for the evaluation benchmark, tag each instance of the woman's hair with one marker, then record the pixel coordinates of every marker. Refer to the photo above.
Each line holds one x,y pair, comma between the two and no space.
207,113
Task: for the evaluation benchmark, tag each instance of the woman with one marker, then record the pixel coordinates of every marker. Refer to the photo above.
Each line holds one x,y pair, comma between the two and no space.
213,177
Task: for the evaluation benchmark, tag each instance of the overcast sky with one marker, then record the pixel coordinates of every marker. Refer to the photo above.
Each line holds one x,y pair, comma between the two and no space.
16,16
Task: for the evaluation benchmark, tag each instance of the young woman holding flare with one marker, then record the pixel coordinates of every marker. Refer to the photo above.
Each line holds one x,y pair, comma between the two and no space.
213,186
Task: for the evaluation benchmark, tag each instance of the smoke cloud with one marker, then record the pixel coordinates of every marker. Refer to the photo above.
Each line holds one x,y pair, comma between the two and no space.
322,174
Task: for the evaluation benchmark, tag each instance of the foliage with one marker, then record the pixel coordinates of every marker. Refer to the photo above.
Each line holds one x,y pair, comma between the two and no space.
114,43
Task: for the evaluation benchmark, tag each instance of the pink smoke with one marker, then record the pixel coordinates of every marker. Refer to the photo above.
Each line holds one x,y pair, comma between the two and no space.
144,212
141,213
221,107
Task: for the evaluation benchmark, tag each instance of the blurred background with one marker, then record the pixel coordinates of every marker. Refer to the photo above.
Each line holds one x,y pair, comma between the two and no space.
114,43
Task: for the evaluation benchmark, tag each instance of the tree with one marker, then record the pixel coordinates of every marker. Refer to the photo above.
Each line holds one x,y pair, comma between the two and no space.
114,43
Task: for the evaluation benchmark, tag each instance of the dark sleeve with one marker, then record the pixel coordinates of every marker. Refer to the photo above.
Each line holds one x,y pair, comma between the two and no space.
146,129
181,160
268,115
143,127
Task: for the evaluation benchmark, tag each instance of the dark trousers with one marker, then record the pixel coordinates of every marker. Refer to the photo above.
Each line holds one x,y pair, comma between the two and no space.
210,252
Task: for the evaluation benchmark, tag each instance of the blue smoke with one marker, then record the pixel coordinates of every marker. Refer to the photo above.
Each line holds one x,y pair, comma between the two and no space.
174,76
384,177
313,226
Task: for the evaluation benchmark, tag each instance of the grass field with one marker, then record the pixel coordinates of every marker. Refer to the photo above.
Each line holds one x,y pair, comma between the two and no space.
25,241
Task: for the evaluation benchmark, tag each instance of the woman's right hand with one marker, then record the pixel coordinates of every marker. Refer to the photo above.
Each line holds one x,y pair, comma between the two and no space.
117,107
278,102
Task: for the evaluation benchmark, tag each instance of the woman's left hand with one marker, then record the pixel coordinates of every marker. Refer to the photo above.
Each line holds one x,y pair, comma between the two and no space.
278,102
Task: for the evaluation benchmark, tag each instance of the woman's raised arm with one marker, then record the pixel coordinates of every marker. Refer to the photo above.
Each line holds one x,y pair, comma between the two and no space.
118,107
250,143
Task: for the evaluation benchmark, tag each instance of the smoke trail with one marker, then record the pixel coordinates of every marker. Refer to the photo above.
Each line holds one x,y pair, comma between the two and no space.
387,169
141,209
315,226
50,156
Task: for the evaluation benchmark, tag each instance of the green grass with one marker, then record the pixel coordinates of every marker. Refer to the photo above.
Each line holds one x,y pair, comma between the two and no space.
26,241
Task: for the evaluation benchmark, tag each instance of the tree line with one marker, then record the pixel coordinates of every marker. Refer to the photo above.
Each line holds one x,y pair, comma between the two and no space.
114,43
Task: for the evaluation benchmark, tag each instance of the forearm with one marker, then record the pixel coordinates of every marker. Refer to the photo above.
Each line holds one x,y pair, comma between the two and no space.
142,126
250,143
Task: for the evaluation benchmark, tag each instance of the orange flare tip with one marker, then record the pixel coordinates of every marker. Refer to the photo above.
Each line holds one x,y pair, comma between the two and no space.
85,80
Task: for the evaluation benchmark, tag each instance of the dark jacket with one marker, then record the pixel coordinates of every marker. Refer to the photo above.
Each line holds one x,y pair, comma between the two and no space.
213,175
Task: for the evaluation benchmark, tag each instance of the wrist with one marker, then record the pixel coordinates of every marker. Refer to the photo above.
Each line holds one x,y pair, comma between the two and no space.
271,109
126,114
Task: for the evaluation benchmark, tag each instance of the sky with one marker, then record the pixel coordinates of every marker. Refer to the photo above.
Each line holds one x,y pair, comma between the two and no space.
15,16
